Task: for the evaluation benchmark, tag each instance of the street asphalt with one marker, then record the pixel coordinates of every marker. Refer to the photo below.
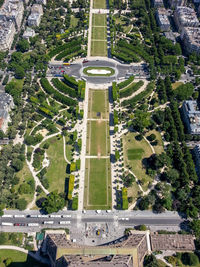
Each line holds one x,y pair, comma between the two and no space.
122,71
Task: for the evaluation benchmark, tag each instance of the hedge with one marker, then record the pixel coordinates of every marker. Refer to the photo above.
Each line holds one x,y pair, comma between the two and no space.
62,87
75,54
121,56
81,89
129,53
67,52
34,100
70,186
126,82
56,95
59,49
140,96
75,203
124,198
131,89
70,81
114,91
46,111
115,117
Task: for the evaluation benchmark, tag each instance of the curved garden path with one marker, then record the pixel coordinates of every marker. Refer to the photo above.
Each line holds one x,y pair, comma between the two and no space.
140,90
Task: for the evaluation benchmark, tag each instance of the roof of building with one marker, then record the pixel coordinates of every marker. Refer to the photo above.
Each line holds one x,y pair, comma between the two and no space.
172,242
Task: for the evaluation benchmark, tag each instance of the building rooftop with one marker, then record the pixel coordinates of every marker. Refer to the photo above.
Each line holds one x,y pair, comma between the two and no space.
186,15
172,242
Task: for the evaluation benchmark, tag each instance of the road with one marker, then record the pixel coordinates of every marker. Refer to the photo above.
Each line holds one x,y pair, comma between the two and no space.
122,71
74,219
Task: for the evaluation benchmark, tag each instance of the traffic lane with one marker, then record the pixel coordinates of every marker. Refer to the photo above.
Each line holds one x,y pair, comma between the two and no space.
97,219
99,80
151,221
98,63
36,220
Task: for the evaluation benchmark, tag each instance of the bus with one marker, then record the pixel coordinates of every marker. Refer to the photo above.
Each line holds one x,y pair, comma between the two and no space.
66,64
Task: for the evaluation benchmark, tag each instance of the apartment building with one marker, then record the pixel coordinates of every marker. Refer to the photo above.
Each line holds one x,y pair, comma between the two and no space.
42,2
191,116
158,3
185,17
162,19
28,33
13,10
7,33
35,16
190,37
176,3
6,104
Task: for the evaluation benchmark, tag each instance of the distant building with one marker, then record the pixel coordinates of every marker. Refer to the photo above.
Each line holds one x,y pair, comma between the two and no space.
35,16
191,116
176,3
197,157
6,104
13,10
158,3
190,37
7,33
162,19
185,17
42,2
170,36
28,33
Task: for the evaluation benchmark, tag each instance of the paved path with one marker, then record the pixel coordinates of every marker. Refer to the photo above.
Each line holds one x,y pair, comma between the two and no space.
90,30
64,150
83,150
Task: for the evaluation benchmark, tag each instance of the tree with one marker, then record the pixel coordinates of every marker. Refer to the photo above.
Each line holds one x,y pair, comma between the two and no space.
23,46
144,203
150,261
195,226
17,164
141,120
190,259
19,73
21,204
3,238
8,261
53,203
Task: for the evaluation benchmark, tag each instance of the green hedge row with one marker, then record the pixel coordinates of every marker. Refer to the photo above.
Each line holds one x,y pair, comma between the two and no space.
62,87
81,89
124,198
140,96
67,52
126,82
75,54
59,49
56,95
131,89
114,91
70,186
46,111
70,81
121,56
115,117
129,53
75,203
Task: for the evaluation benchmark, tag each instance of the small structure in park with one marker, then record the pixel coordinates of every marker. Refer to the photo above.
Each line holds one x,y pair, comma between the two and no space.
99,114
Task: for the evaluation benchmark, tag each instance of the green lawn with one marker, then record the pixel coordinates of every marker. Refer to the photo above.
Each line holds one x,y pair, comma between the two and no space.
56,172
99,4
99,33
19,259
98,138
25,175
134,154
97,194
99,20
138,164
99,48
98,102
73,22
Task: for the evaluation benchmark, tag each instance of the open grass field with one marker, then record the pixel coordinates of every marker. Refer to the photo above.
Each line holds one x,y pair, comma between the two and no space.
99,20
99,4
56,172
19,259
138,150
176,85
99,33
97,194
99,48
98,102
98,139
